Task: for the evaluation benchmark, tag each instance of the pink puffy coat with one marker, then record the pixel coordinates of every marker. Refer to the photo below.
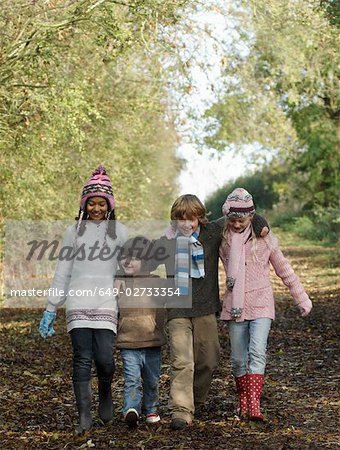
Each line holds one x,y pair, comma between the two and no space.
259,298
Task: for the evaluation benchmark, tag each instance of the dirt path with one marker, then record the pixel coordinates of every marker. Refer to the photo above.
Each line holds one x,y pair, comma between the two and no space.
300,398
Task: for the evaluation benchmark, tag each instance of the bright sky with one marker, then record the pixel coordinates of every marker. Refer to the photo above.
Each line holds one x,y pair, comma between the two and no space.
203,173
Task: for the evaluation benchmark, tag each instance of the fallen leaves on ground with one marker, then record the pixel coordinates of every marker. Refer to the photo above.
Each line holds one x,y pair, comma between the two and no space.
300,397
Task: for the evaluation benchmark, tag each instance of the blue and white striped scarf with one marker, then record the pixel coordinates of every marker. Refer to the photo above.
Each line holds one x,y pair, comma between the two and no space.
186,246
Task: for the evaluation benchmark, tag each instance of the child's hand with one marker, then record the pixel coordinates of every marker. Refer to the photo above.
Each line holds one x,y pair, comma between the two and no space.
46,324
260,226
264,231
305,308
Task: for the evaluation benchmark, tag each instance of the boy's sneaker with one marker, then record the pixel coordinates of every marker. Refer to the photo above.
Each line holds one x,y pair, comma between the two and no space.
131,417
152,418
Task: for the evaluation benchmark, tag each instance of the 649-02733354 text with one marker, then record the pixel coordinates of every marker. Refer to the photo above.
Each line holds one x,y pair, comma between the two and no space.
129,292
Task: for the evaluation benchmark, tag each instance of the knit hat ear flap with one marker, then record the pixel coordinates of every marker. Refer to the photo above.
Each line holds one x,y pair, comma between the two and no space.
111,228
99,185
239,204
81,215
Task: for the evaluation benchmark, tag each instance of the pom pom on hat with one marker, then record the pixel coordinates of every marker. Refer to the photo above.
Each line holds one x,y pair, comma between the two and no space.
99,185
99,171
239,204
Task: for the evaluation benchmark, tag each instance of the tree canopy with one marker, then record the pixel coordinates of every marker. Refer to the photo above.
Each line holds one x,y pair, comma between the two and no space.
82,84
262,185
280,92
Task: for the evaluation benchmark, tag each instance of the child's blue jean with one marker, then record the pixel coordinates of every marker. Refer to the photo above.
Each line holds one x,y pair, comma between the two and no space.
141,364
248,345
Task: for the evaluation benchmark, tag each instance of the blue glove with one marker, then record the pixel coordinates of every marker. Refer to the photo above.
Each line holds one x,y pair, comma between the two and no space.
46,324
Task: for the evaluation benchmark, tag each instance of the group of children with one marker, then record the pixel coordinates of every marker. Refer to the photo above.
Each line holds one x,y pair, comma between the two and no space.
193,245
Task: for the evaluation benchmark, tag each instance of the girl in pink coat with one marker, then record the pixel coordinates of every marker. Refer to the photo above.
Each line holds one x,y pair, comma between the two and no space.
248,303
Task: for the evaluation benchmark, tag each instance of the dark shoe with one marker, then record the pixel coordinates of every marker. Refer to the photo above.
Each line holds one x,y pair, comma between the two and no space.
83,394
131,417
105,401
178,424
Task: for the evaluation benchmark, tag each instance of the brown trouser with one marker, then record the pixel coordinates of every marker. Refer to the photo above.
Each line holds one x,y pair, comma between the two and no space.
194,349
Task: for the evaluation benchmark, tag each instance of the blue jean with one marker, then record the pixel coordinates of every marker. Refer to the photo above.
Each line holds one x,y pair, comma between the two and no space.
92,344
248,344
141,364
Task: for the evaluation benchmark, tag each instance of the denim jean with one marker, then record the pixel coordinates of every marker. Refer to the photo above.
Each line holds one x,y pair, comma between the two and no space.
248,344
92,344
141,365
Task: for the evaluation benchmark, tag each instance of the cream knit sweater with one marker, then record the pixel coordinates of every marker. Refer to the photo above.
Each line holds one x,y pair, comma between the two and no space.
86,282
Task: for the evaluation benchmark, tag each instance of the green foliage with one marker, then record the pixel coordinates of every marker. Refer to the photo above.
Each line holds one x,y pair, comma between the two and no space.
321,226
305,228
261,184
320,158
284,220
332,9
81,84
282,94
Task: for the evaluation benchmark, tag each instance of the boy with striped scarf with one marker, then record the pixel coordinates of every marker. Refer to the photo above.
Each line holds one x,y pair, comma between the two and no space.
193,245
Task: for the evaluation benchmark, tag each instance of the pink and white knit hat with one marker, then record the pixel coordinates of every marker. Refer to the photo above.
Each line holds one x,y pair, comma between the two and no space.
99,185
238,204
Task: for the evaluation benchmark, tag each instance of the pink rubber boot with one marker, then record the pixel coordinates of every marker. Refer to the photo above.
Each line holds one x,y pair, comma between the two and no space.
241,385
255,383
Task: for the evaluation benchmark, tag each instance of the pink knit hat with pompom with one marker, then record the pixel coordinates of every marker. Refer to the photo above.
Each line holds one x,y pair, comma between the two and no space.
99,185
239,204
